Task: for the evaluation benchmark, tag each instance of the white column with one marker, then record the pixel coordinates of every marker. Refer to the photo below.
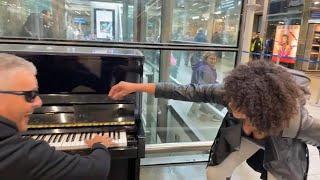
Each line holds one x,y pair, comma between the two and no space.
264,23
249,10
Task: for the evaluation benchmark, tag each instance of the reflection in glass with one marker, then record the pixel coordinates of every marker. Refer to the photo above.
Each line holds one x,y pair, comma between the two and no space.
183,65
186,121
149,107
212,21
71,20
153,21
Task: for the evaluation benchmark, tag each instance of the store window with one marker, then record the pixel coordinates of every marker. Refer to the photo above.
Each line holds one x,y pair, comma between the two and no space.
214,21
283,30
67,19
153,21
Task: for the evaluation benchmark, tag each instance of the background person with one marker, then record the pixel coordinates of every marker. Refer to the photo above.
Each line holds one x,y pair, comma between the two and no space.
256,47
38,25
205,73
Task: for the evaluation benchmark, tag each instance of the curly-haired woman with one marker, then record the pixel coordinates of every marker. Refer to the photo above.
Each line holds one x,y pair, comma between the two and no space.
266,112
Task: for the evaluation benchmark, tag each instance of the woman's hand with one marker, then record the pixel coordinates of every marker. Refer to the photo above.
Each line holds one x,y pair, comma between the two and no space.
122,89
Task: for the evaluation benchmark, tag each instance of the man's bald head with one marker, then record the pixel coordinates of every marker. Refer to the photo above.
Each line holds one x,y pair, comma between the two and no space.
10,66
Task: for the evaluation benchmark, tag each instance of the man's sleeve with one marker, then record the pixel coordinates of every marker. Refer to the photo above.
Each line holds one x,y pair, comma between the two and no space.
213,93
47,163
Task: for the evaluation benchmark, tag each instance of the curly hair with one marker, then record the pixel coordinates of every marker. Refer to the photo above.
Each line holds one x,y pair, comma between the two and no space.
265,93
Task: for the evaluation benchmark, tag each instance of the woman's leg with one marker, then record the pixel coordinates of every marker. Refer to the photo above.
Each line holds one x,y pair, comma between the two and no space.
226,168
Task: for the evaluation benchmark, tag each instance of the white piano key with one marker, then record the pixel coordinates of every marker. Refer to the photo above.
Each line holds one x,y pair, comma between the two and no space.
111,135
77,138
46,138
56,138
120,140
123,138
93,135
34,137
116,136
63,142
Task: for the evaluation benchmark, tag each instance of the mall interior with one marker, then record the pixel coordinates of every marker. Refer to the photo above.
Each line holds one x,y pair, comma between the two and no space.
154,41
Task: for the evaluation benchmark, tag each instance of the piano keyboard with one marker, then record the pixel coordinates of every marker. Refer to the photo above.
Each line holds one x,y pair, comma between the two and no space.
75,141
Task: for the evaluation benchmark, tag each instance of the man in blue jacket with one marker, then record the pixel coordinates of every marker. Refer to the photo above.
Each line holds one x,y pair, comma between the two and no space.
25,158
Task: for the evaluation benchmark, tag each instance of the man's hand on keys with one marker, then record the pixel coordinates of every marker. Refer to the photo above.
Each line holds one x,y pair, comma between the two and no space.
105,140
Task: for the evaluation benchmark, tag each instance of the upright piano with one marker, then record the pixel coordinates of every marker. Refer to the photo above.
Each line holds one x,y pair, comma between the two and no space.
73,85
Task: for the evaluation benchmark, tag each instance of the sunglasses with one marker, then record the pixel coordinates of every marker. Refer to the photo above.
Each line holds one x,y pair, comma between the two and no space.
29,96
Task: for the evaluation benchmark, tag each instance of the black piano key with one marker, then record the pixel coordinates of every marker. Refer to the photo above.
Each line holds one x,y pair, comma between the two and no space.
73,137
90,136
114,134
56,138
37,136
51,137
102,133
42,138
68,137
60,138
85,136
118,134
109,134
81,136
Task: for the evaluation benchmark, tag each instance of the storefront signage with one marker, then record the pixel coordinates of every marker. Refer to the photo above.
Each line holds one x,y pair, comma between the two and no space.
295,3
104,23
227,4
286,41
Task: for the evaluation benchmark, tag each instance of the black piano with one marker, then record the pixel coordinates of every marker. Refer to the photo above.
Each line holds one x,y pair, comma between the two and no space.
73,85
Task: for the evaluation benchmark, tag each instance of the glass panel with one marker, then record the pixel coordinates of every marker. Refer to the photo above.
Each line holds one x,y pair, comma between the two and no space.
153,21
213,21
283,29
68,19
186,121
185,64
201,120
149,103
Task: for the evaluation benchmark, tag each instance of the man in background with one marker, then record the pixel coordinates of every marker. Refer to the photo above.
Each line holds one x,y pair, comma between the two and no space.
38,25
256,47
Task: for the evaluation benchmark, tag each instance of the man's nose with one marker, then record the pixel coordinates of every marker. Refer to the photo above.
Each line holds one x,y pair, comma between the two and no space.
246,129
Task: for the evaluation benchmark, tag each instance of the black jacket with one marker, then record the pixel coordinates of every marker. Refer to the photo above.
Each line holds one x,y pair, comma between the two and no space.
284,157
25,158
